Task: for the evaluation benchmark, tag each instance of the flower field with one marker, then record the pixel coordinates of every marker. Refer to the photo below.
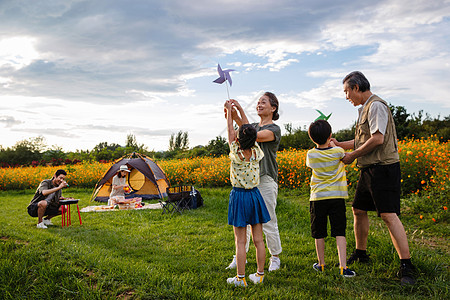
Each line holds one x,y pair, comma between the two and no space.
424,165
79,175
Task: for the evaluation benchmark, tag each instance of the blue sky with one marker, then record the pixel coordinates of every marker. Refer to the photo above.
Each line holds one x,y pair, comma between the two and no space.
83,72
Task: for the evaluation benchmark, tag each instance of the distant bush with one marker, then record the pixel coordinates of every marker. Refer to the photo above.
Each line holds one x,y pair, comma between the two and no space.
424,164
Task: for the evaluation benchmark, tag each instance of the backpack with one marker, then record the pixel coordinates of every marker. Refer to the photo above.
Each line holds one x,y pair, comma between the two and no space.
195,200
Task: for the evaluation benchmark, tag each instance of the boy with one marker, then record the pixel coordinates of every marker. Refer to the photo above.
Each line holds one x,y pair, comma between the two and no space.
328,194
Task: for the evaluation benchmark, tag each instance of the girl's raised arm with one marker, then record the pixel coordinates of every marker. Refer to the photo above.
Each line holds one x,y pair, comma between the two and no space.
230,128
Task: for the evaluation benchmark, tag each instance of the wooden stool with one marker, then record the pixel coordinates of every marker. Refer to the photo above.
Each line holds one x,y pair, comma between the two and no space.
65,210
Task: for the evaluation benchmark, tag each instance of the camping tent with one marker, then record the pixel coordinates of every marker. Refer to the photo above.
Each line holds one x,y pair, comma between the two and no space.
146,178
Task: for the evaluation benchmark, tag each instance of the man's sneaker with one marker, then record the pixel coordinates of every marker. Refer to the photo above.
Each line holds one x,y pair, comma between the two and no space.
41,225
47,222
406,274
318,268
237,281
363,258
274,263
232,265
346,272
256,278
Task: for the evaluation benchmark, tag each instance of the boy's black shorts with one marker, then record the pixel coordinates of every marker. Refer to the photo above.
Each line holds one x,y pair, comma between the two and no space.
332,208
49,211
378,189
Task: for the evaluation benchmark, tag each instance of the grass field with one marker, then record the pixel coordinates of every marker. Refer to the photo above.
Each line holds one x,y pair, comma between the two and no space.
146,255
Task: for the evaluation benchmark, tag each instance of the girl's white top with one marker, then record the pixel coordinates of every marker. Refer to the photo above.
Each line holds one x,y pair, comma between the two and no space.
244,174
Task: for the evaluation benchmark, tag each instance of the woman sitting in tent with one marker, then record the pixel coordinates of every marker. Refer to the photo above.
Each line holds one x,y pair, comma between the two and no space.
119,186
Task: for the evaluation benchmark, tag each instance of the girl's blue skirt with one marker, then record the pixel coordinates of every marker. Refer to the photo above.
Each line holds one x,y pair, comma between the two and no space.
246,207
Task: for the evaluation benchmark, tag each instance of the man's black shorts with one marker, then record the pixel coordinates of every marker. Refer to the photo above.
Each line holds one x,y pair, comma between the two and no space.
49,211
378,189
332,208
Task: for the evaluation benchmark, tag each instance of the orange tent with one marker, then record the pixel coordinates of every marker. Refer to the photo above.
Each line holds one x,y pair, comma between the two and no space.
146,178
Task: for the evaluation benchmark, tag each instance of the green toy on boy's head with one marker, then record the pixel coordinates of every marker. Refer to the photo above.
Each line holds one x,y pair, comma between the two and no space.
322,116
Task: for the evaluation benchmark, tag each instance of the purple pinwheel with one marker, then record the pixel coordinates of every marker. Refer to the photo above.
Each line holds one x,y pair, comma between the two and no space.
224,76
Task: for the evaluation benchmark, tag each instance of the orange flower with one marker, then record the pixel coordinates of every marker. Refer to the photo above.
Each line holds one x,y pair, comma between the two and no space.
445,207
423,182
434,220
421,217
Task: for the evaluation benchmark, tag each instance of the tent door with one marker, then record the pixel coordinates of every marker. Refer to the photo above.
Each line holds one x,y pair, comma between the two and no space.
136,180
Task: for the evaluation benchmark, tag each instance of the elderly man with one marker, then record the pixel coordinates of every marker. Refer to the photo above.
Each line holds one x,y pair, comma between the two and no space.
376,151
46,199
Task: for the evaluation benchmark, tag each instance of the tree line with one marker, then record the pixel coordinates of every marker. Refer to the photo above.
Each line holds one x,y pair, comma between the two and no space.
407,125
34,151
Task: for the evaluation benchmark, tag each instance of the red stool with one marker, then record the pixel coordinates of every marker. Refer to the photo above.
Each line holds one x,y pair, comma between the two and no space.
65,210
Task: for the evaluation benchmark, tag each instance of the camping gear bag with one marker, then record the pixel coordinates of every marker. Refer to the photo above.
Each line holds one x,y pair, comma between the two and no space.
195,199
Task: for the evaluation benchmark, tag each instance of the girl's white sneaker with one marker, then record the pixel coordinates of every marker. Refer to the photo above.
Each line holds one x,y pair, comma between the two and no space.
237,281
256,278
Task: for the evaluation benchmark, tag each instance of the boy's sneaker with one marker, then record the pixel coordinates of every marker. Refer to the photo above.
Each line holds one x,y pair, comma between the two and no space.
232,265
256,278
41,225
347,272
406,274
363,258
274,263
47,222
237,281
318,268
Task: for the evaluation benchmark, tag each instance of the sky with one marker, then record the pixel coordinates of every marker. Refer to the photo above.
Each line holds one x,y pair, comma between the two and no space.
82,72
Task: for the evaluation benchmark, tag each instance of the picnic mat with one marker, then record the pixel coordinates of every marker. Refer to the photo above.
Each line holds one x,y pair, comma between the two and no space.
99,208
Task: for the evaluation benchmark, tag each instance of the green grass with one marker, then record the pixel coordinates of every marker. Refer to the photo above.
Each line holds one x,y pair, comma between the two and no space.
146,255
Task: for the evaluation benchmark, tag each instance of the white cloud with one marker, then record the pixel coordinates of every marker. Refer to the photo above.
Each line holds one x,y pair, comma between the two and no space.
316,97
9,121
421,81
325,74
389,19
399,51
17,52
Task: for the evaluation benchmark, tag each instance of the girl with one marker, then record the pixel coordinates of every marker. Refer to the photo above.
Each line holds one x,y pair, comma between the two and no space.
119,182
246,205
268,137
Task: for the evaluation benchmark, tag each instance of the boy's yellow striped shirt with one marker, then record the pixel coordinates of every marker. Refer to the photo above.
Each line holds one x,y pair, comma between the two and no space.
328,180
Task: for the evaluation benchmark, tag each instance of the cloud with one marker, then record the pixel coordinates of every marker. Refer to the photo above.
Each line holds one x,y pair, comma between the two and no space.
274,66
101,55
9,121
17,52
390,19
316,97
419,81
64,133
101,50
117,128
90,61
